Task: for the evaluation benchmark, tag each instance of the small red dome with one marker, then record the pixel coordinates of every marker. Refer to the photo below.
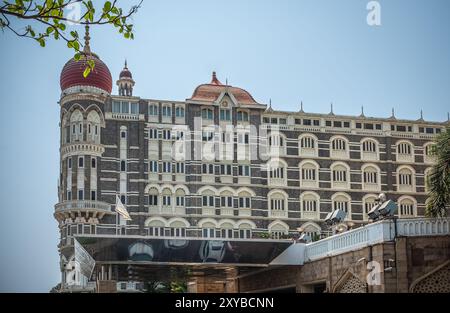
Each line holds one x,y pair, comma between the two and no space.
72,74
125,73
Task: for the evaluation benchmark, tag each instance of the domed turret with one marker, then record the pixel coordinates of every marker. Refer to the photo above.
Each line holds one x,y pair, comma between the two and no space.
125,82
210,92
72,72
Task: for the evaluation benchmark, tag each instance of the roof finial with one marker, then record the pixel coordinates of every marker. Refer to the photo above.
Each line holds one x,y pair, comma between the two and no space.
331,112
448,117
362,111
87,48
301,107
393,113
214,79
126,64
421,114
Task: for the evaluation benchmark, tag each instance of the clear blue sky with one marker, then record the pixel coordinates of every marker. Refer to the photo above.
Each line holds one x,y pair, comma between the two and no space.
315,51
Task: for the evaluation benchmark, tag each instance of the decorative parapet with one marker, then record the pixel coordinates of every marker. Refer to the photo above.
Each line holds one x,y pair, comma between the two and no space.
82,149
375,233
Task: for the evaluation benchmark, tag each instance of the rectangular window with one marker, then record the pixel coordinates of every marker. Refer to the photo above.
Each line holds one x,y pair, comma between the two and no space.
134,108
125,107
93,195
153,133
316,122
69,195
378,126
337,124
328,123
152,200
266,120
153,109
368,126
282,121
298,121
116,107
69,162
93,162
347,124
81,162
225,115
358,125
307,122
123,166
123,199
153,166
167,111
81,194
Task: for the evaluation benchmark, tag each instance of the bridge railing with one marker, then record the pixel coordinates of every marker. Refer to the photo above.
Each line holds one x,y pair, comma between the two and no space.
375,233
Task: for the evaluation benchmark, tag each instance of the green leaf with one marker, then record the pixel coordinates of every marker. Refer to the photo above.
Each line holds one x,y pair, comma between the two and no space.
107,6
62,26
86,72
77,56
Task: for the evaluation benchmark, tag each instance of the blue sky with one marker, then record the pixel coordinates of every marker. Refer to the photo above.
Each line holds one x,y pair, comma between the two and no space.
313,51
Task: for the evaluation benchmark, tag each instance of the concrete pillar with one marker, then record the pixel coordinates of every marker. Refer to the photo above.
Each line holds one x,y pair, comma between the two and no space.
401,264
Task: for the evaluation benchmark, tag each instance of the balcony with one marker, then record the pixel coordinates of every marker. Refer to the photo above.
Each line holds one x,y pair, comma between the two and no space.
369,156
278,213
81,148
245,212
208,211
407,158
98,209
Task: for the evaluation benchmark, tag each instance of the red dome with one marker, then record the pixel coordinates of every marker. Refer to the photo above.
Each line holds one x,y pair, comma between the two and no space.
72,74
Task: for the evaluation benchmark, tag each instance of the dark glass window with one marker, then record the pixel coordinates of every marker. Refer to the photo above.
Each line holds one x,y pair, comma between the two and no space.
282,121
274,120
298,121
93,195
337,124
401,128
328,123
93,163
307,122
358,125
430,130
81,162
378,126
368,126
122,166
123,134
347,124
316,122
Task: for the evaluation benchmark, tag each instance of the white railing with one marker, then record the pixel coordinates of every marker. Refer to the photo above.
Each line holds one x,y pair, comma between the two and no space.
423,227
82,205
375,233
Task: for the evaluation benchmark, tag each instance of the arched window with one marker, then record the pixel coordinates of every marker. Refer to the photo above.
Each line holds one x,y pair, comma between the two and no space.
342,201
278,203
311,229
277,172
245,228
406,179
407,207
166,200
339,147
153,200
371,177
340,175
369,149
368,203
226,229
277,144
93,127
178,227
153,109
310,205
180,197
307,145
309,174
208,227
156,226
76,126
208,200
278,229
226,201
405,151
